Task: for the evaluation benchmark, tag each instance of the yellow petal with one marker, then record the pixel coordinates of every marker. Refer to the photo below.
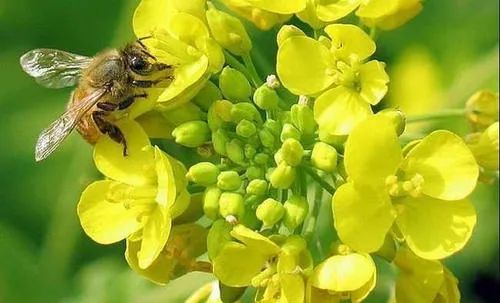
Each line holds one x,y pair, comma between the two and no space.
332,10
292,287
167,191
104,221
418,280
373,80
344,273
447,165
362,216
255,240
305,77
372,151
155,125
338,110
435,229
348,40
154,236
137,167
160,270
279,6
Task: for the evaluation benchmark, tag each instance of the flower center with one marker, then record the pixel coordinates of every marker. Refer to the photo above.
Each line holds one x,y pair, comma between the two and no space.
140,199
412,186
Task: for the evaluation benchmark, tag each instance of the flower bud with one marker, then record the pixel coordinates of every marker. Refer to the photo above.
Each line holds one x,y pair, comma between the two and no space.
228,31
292,152
397,117
244,111
257,187
203,173
270,212
261,158
192,133
234,85
278,156
246,128
482,109
231,204
266,98
219,141
324,157
211,202
484,147
249,151
294,245
229,180
207,95
273,126
254,172
235,151
289,132
283,176
303,119
296,209
266,138
287,31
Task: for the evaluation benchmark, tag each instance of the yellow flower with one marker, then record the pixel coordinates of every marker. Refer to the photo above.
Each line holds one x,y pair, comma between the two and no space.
143,192
185,243
484,146
388,14
336,64
180,37
422,280
482,109
423,192
346,276
320,12
266,14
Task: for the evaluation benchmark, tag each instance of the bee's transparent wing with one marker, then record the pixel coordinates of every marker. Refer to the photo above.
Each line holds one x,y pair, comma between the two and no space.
51,137
54,68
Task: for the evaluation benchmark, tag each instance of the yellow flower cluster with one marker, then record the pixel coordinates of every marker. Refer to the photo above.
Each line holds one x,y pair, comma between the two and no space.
262,157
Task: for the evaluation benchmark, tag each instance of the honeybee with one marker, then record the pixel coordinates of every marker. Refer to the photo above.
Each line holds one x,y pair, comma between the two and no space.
105,83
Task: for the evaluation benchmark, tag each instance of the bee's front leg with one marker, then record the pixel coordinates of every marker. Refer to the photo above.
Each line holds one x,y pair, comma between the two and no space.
109,129
130,100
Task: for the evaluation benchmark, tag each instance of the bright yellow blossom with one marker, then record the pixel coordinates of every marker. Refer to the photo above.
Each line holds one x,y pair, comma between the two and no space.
388,14
177,34
485,148
424,192
318,13
423,281
143,192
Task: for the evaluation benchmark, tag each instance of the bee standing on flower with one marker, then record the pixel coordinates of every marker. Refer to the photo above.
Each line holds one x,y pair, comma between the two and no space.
106,83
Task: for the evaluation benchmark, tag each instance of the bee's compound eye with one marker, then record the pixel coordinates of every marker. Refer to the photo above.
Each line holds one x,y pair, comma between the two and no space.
138,64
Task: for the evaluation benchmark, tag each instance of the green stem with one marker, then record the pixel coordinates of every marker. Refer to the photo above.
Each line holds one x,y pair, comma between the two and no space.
235,63
373,33
247,59
325,185
443,114
313,218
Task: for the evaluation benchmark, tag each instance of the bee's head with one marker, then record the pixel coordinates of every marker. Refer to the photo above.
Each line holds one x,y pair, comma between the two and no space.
140,60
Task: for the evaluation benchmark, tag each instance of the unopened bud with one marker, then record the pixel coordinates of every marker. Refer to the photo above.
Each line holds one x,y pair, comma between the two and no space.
292,152
246,128
244,111
484,147
283,176
219,141
324,157
229,180
273,126
228,31
234,85
211,202
231,204
266,138
266,98
249,151
257,187
254,172
261,158
482,109
207,95
397,118
289,132
296,210
192,133
235,151
303,119
203,173
270,212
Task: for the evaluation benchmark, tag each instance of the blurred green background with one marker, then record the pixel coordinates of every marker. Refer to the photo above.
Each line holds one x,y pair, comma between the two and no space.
435,61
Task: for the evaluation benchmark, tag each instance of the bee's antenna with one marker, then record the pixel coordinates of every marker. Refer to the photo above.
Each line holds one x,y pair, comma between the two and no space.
144,48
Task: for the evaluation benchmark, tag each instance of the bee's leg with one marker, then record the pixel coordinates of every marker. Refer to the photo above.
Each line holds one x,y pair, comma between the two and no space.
144,83
107,106
130,100
109,129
